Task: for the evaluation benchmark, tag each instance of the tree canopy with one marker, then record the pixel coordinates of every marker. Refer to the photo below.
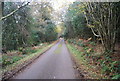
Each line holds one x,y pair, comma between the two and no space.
25,27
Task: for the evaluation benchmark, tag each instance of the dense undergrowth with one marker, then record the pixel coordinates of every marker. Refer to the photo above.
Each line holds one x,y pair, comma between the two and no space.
102,65
14,56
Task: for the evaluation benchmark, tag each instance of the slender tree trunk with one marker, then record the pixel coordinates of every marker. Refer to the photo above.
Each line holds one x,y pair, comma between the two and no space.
102,15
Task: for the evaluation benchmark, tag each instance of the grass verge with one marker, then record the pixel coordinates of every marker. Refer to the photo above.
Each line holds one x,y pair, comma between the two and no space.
21,62
99,65
90,71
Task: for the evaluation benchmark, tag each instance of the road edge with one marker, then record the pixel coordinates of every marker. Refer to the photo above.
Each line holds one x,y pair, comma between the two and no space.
81,73
8,75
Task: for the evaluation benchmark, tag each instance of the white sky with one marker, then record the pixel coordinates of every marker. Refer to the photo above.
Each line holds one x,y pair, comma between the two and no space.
58,4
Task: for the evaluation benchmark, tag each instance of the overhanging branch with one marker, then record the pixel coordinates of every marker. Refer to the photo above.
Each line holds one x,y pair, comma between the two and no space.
13,11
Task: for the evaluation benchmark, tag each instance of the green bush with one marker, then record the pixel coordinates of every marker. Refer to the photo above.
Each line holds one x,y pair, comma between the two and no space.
27,50
80,43
105,69
74,41
7,60
69,41
86,48
92,43
16,58
116,76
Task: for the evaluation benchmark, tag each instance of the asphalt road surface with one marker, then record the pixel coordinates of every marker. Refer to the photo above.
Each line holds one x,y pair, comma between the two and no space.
56,63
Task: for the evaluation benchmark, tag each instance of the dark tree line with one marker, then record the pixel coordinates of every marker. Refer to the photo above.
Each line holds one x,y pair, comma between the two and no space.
24,27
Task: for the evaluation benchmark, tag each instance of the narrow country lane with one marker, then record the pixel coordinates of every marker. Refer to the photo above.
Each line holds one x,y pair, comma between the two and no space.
56,63
59,39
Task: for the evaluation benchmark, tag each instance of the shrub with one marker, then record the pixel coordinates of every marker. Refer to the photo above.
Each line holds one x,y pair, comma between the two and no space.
92,43
7,60
117,76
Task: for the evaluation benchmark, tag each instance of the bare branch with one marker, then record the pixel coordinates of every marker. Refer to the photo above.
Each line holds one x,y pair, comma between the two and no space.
94,33
13,11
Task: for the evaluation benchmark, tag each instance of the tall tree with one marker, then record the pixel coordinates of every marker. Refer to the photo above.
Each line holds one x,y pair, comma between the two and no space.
103,17
15,29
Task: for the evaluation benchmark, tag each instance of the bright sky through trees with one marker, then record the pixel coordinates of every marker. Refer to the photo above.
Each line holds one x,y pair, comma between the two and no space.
59,6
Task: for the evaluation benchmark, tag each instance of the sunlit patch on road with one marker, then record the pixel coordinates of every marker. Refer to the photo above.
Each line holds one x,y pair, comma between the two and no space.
60,45
58,50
